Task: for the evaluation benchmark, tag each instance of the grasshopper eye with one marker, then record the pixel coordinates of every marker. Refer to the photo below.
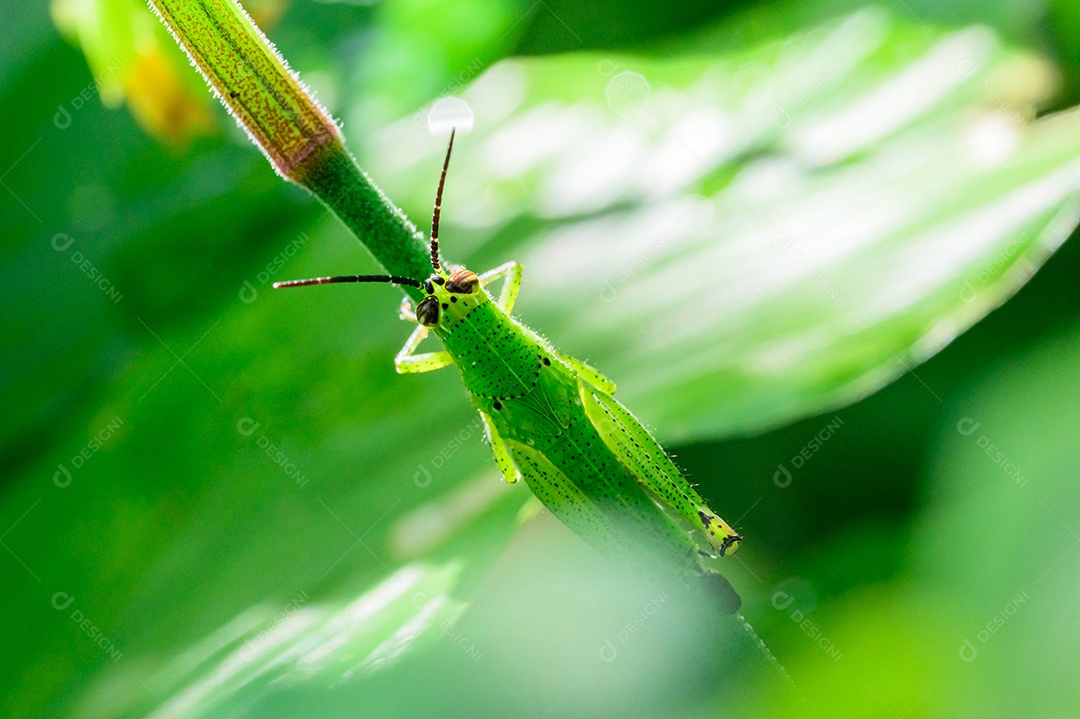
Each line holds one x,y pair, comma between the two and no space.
427,312
462,282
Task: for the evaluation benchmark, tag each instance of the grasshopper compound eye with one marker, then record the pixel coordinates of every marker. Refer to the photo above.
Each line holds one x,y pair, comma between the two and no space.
463,282
427,312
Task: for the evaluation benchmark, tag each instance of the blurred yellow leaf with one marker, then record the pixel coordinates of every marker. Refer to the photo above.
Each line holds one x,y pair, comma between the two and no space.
162,104
132,59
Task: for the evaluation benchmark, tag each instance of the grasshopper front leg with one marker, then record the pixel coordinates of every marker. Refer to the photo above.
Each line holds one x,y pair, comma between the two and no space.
508,295
407,361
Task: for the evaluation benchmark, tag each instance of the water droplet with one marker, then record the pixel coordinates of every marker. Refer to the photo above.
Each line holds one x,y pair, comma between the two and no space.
448,113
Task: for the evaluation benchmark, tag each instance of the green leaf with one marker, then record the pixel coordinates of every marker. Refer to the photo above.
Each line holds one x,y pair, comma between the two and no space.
294,643
780,232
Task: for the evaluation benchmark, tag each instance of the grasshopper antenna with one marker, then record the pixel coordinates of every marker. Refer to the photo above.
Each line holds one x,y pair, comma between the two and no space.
438,207
390,279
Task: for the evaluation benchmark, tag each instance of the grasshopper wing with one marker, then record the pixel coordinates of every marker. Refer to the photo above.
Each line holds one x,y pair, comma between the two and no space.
631,531
566,501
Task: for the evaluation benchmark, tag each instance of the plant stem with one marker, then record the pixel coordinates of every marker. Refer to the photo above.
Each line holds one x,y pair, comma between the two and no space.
332,175
298,137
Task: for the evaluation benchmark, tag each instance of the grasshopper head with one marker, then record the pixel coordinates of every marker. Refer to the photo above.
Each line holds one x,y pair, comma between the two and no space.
448,298
444,291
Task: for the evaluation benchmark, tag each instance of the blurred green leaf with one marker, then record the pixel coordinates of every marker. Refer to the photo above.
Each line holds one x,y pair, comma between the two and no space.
781,232
1004,497
428,49
982,619
290,644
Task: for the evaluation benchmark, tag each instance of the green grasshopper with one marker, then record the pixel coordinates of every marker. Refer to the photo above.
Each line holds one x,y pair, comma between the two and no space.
551,419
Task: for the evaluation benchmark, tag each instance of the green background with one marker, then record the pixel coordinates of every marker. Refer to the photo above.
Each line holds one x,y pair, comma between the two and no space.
919,560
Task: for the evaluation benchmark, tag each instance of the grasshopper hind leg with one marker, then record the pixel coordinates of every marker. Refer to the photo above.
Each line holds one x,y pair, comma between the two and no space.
570,505
648,462
590,374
